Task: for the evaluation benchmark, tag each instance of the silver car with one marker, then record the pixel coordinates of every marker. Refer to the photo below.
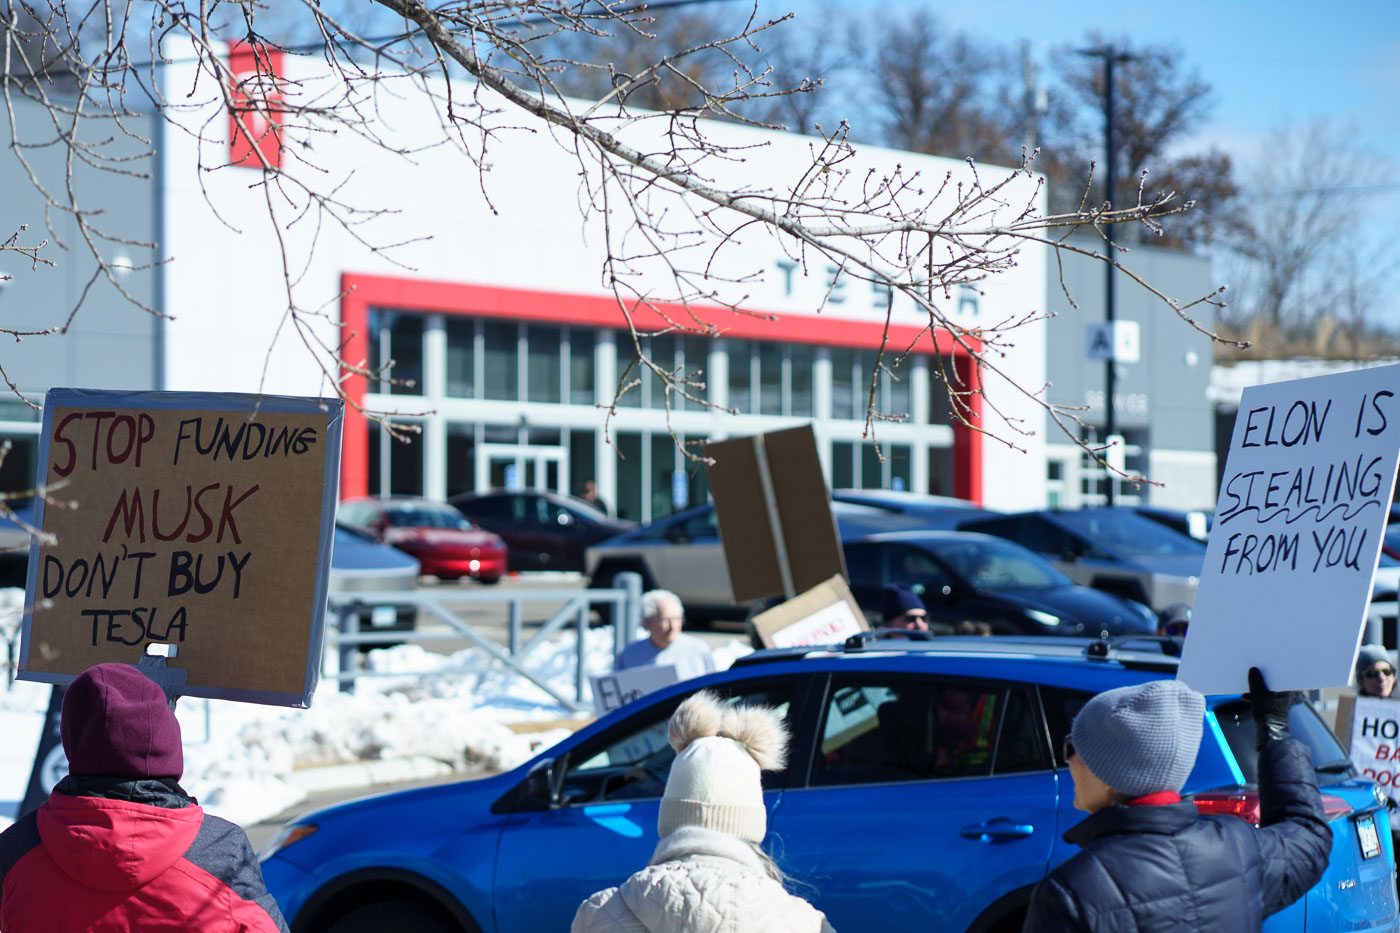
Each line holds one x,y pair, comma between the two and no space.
1110,549
682,553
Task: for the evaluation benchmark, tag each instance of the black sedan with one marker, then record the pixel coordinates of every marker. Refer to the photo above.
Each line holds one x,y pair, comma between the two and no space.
973,577
542,530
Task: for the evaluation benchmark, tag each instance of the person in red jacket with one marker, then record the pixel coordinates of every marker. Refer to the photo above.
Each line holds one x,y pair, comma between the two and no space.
119,845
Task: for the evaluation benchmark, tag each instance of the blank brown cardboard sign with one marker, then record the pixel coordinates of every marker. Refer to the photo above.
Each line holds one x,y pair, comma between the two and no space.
206,527
806,531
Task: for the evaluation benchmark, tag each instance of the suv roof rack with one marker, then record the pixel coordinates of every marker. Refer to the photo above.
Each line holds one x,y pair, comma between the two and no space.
861,639
1135,652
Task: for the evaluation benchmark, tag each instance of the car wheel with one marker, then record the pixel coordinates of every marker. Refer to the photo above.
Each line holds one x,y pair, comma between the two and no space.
490,581
399,916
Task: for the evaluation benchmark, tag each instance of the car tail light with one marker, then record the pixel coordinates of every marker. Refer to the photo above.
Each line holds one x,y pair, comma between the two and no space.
1243,802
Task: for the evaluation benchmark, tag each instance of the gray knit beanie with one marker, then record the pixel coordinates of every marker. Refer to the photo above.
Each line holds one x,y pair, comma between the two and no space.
1141,739
1370,656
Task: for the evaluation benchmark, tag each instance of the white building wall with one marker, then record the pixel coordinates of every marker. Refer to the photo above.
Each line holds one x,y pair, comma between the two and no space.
1187,478
228,297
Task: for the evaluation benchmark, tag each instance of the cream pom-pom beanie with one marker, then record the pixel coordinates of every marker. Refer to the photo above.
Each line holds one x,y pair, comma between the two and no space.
716,780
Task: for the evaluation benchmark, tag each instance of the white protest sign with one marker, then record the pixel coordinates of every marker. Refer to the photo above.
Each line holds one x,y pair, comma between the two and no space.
1375,741
829,625
826,614
618,688
1289,564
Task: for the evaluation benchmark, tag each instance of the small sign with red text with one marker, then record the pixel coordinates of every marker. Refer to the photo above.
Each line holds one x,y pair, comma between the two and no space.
1375,741
827,614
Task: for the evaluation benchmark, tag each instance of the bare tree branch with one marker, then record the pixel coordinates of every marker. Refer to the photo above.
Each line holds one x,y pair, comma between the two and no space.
667,186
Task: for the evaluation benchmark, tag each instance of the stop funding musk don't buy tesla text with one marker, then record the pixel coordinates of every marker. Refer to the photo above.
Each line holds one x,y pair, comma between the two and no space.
133,565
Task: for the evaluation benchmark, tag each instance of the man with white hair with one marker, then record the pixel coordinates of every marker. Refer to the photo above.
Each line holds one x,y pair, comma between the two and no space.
662,617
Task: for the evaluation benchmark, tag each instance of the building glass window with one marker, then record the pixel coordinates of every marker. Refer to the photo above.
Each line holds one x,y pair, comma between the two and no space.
843,458
900,471
940,405
403,458
461,357
406,464
897,393
396,337
663,466
627,357
542,375
872,470
770,379
663,354
461,458
843,388
501,364
699,482
583,458
696,363
940,471
582,345
629,476
741,376
801,358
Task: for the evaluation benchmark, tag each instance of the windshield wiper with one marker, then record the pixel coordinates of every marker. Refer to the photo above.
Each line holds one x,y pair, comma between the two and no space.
1334,767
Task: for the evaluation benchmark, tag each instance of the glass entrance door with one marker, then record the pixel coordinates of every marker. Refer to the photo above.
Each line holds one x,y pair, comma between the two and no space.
524,466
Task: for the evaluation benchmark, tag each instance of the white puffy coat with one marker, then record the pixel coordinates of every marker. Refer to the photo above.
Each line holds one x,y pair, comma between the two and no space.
700,881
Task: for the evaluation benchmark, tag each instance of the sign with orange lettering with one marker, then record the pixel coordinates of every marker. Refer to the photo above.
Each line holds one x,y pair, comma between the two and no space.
197,520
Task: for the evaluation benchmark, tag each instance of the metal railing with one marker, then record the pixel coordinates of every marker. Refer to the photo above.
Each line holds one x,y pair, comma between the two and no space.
343,635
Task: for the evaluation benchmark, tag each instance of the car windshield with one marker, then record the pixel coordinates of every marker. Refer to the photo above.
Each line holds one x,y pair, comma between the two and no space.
993,564
583,506
1130,533
1329,758
425,516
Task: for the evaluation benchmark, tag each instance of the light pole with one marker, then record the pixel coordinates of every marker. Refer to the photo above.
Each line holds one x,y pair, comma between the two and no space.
1111,56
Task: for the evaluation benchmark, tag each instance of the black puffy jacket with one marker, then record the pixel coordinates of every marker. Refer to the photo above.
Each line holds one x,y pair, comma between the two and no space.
1168,868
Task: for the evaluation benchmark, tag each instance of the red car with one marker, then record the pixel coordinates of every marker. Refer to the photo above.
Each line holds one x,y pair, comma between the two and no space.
446,545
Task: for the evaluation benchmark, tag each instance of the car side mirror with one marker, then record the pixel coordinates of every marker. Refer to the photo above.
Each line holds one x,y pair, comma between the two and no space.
540,787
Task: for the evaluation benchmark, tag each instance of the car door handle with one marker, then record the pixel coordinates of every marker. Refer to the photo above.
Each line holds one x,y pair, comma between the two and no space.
996,830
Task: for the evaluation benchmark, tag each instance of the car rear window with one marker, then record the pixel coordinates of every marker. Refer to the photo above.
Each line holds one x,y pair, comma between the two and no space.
1329,758
1236,724
1130,533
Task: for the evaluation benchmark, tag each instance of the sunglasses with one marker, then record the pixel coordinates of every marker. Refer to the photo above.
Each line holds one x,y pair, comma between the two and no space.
1378,672
1067,752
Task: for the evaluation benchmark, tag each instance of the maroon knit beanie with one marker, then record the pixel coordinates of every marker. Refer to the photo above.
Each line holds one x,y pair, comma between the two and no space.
117,722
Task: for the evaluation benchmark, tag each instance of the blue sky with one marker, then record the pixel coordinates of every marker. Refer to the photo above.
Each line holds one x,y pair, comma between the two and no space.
1270,66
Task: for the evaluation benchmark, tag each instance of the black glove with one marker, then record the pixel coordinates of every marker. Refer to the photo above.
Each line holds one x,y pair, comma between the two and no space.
1270,710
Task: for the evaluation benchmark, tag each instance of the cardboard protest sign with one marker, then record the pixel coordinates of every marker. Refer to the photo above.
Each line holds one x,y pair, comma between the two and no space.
618,688
826,614
199,520
1289,564
1370,729
774,513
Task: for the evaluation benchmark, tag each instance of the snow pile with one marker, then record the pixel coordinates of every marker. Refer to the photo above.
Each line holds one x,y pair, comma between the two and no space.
242,759
11,614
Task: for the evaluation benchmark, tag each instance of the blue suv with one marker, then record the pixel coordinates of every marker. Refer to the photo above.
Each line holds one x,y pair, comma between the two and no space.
924,792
